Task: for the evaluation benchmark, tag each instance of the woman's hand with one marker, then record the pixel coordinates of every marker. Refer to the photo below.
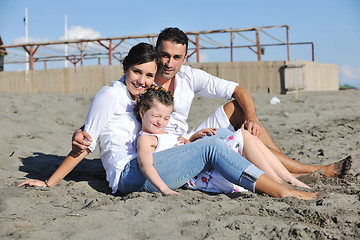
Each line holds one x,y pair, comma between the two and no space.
33,183
202,133
79,144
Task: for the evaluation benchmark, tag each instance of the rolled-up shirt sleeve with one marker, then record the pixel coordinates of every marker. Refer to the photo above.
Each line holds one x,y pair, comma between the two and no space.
210,86
101,110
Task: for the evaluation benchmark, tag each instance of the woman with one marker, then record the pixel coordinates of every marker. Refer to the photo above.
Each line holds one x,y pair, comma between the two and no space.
112,108
111,121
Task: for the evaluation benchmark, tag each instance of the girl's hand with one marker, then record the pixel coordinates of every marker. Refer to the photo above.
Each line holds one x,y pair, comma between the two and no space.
32,183
184,140
202,133
168,192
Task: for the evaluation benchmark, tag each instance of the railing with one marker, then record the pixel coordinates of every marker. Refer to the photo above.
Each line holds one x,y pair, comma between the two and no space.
86,49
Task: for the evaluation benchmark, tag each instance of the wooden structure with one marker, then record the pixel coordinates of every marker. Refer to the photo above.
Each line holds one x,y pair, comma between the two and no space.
86,49
2,55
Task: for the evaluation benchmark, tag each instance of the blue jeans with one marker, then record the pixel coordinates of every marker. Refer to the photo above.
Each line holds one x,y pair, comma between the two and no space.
179,164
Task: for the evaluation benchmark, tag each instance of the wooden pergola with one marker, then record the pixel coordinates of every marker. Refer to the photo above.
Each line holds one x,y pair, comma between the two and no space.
105,47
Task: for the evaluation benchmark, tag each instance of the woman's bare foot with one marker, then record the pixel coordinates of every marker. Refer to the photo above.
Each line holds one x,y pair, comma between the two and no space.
265,184
299,183
338,169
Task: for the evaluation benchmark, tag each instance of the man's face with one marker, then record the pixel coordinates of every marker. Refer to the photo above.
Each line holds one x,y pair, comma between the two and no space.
172,56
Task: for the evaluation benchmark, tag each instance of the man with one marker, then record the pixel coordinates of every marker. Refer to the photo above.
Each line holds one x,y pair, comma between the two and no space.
184,82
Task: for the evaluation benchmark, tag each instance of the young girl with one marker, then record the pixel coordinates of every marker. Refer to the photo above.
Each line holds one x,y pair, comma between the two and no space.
154,109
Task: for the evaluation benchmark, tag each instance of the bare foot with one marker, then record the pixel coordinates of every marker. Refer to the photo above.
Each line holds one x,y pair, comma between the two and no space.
304,195
338,169
311,177
299,183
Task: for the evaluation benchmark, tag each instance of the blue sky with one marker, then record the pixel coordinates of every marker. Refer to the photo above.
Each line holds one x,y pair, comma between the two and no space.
332,25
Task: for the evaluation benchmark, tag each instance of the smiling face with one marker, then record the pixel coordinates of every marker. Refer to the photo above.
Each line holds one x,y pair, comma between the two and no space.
155,119
172,56
140,76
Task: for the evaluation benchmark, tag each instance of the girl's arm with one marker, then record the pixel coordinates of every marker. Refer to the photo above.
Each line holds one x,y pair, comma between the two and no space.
145,145
67,165
202,133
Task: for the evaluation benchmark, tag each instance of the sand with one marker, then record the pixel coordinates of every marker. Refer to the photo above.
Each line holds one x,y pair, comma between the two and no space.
315,128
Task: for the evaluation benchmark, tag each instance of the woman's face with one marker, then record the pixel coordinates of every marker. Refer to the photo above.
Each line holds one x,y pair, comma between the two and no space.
156,118
139,77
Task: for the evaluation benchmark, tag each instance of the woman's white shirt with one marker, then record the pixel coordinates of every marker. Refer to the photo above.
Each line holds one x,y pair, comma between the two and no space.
111,121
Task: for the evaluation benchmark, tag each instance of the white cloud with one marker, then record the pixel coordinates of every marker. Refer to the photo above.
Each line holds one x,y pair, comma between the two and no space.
21,40
350,75
78,32
75,32
350,72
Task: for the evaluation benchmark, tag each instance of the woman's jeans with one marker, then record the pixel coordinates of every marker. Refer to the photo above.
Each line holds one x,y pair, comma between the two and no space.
179,164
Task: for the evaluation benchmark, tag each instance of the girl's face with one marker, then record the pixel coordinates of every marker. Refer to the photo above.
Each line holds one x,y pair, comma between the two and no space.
139,77
156,118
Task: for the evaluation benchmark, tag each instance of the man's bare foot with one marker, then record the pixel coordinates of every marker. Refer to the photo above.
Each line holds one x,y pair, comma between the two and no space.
338,169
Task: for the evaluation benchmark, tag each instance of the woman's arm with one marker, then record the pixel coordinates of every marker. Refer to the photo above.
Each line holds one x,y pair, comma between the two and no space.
145,160
81,140
67,166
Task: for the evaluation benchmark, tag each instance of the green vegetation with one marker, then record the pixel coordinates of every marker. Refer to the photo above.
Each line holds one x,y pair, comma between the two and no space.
347,87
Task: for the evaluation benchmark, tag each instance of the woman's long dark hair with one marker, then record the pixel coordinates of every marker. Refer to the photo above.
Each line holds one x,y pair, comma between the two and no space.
139,54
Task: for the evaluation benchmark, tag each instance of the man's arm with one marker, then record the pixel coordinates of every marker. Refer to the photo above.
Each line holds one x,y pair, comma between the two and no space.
244,99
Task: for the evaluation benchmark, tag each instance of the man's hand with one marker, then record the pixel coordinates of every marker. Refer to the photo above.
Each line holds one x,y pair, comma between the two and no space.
79,143
254,127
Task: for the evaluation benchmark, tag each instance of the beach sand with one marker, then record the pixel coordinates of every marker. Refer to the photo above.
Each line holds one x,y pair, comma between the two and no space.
313,128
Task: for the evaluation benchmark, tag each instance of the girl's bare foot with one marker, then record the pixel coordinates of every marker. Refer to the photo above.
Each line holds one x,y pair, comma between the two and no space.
304,195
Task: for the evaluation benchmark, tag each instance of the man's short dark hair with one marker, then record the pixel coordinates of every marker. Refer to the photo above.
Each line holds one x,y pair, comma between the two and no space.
172,34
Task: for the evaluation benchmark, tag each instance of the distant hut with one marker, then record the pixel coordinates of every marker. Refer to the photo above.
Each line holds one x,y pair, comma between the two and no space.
2,55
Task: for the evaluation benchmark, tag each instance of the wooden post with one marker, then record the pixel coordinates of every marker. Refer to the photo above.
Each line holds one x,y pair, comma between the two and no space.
231,46
258,45
197,48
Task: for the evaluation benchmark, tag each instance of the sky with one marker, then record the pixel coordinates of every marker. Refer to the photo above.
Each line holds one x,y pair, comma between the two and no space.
332,25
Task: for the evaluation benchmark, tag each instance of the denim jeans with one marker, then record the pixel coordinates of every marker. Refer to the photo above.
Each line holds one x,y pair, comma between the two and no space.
179,164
